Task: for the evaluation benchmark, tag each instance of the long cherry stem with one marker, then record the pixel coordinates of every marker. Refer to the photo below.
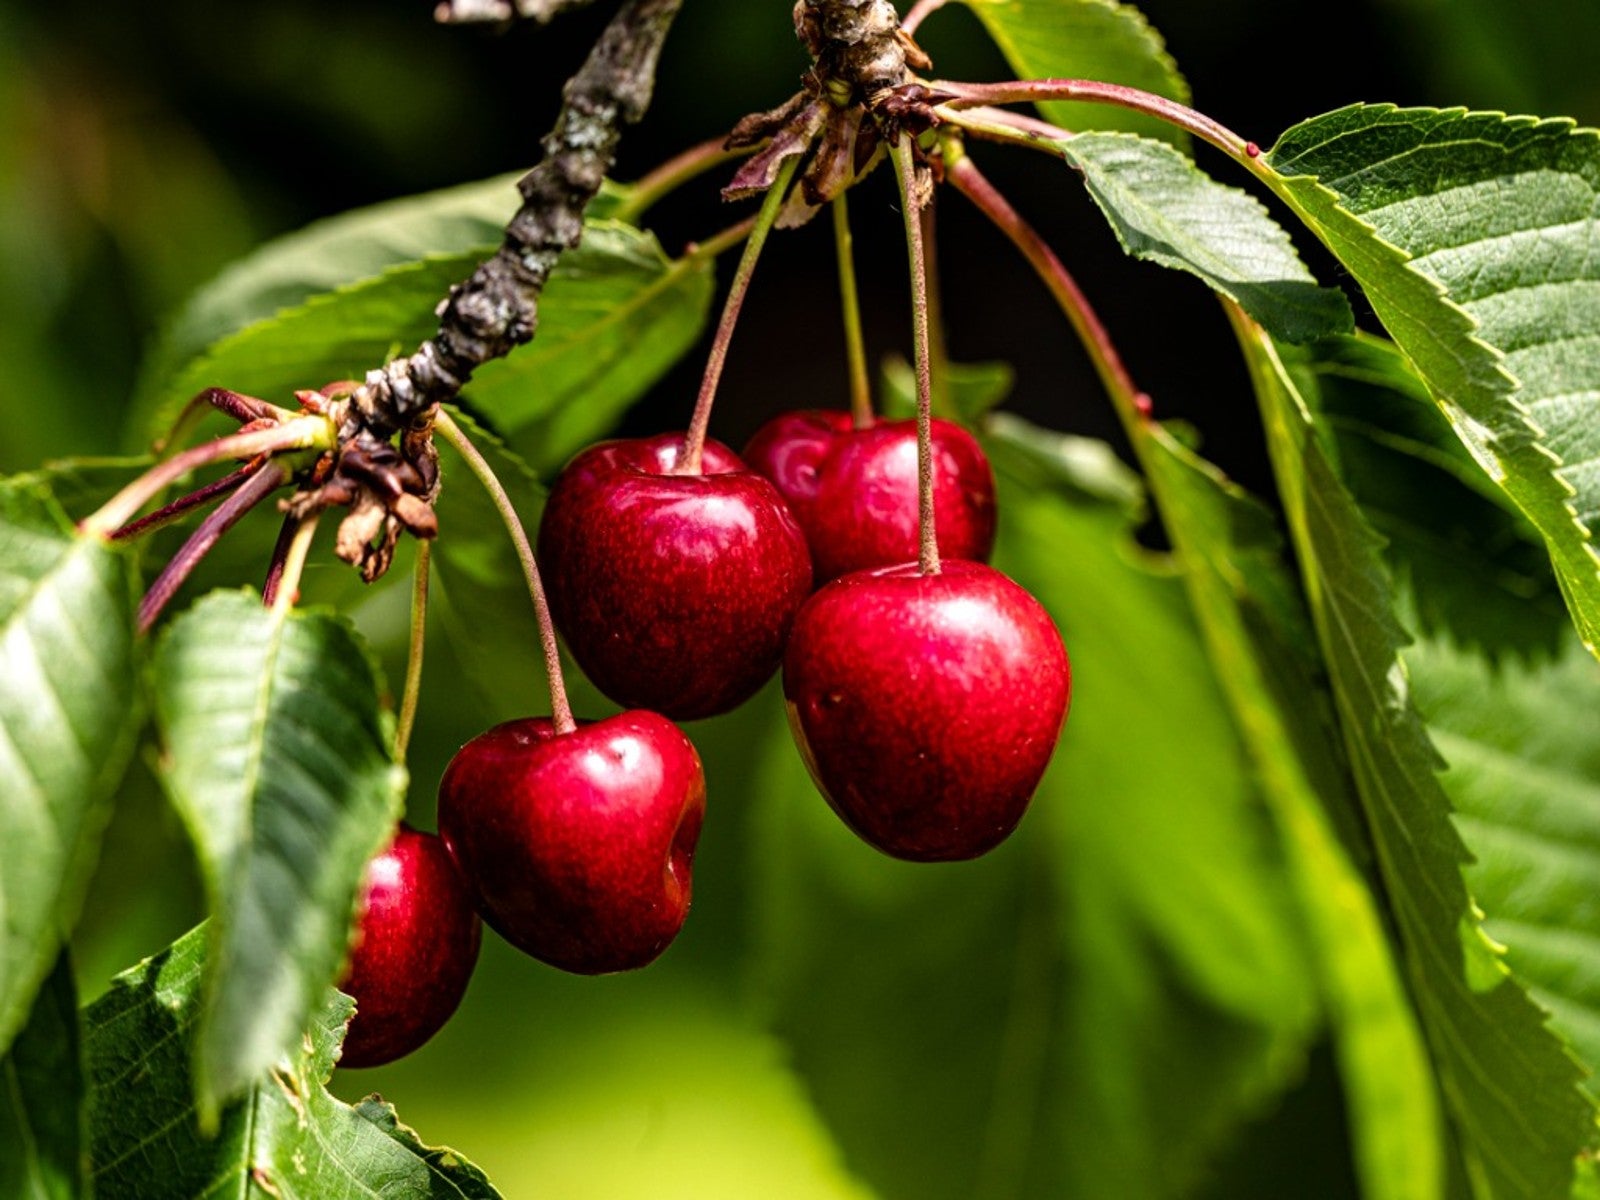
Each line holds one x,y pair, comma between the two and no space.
850,306
280,558
1132,404
302,433
560,709
419,628
294,565
673,174
694,441
927,537
183,504
919,13
1095,92
258,487
938,351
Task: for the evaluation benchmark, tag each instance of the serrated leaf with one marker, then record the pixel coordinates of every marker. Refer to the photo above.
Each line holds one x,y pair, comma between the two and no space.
1471,234
1523,744
1086,39
615,315
1166,210
276,754
1509,1085
285,1139
69,715
1477,568
1114,990
1263,651
43,1153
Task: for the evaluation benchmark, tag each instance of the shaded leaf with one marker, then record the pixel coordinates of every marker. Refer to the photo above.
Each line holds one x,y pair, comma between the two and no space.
1471,234
1510,1087
969,390
43,1155
285,1138
1086,39
69,715
1165,209
276,754
1265,657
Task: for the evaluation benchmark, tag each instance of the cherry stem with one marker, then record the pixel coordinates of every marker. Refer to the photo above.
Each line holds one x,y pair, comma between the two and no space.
280,556
938,352
673,174
850,306
919,13
294,564
266,480
1132,405
1093,91
183,504
927,537
419,629
237,405
714,245
694,441
560,709
301,433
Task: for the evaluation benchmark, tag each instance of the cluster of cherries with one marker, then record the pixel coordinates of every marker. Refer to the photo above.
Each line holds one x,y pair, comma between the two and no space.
926,699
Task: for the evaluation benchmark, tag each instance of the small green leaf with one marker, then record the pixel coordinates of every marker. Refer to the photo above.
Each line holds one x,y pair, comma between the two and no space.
970,390
69,716
1525,777
286,1138
43,1155
1165,209
1087,39
1265,658
277,756
1472,235
1477,568
1509,1085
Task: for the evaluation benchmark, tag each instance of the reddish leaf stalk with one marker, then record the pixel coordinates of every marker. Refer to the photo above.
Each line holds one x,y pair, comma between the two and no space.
183,504
927,535
258,487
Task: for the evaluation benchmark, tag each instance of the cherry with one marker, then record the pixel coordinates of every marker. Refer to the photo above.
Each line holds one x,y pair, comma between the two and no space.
675,592
416,944
926,706
578,846
854,490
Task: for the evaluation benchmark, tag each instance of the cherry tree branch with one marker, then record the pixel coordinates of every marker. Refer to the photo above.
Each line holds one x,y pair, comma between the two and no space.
498,308
501,12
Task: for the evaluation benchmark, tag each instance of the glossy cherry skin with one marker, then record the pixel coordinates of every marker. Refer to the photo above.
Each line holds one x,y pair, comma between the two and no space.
416,944
675,593
579,847
927,706
854,491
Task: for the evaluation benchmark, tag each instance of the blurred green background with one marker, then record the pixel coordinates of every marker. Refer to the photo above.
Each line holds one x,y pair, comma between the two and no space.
831,1024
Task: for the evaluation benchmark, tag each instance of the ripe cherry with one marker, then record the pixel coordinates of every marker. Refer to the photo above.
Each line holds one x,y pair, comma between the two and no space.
675,592
854,490
416,944
578,846
927,706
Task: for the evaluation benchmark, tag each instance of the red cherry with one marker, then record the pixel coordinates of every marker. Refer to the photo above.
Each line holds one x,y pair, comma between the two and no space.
927,706
675,592
416,944
854,491
578,846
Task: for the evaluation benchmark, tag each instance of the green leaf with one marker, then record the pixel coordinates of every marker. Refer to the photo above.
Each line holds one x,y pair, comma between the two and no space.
42,1145
615,315
286,1138
276,754
1525,777
1165,209
1086,39
1509,1085
1263,650
69,716
1096,1006
1471,234
969,390
1476,567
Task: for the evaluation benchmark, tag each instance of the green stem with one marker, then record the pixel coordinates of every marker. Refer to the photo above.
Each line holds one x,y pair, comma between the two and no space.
294,565
678,170
694,441
927,535
560,709
938,350
419,628
850,307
